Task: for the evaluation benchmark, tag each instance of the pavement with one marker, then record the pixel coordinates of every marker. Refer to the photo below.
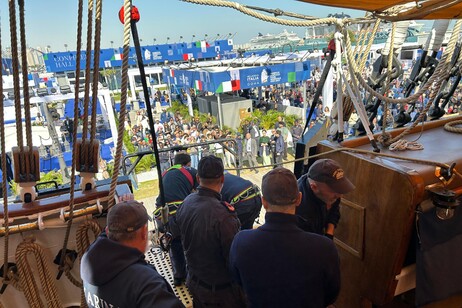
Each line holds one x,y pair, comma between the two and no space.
247,174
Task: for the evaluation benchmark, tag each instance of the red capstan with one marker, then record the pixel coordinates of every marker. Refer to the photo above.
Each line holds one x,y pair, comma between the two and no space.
135,14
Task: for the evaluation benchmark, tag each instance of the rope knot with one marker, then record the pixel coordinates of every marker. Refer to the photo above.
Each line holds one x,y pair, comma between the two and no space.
384,138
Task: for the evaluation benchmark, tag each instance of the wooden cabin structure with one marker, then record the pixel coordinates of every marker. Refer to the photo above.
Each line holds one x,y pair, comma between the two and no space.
376,236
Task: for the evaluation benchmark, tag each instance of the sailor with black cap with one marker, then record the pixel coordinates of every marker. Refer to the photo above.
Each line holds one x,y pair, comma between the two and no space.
322,188
208,226
114,271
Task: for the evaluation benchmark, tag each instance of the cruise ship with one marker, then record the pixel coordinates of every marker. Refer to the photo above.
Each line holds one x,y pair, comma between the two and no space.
263,41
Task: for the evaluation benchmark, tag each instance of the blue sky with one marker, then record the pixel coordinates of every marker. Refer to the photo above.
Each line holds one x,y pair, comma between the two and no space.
53,22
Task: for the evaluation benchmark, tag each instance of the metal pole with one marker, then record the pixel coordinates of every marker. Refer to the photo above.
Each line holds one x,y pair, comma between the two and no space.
139,58
220,113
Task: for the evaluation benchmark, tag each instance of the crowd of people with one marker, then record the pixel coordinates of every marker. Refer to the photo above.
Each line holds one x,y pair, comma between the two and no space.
289,261
254,144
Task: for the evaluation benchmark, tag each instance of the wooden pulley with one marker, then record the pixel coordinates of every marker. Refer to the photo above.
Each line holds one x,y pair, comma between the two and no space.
87,157
26,171
26,164
85,162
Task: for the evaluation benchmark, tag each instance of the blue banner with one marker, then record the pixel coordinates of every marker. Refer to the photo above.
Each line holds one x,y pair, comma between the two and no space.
233,79
152,54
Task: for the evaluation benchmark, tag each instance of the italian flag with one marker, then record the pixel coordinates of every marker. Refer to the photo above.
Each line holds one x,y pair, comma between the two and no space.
187,56
117,57
198,85
228,86
291,77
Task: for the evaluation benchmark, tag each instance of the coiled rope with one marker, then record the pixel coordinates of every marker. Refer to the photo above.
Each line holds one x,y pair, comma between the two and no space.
83,242
450,127
26,276
402,145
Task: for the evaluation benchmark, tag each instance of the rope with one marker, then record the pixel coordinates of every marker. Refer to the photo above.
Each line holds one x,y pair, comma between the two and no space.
387,83
365,54
440,74
402,145
99,4
65,262
450,127
15,64
25,79
359,151
450,49
123,102
27,279
6,222
83,241
84,154
74,136
242,8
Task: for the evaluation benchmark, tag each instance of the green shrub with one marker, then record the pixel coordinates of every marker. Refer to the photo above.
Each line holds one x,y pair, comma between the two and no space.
267,121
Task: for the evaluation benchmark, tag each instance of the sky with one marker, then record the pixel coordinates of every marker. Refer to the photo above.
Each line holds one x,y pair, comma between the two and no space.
54,22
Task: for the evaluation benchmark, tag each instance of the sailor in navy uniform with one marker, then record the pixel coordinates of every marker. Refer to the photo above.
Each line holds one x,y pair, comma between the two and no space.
116,260
278,264
208,226
178,182
244,196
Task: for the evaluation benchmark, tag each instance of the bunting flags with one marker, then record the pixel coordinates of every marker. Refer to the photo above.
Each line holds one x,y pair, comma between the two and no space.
203,45
187,56
117,57
198,85
228,86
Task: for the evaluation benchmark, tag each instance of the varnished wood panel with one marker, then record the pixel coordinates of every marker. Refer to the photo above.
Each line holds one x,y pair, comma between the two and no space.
350,230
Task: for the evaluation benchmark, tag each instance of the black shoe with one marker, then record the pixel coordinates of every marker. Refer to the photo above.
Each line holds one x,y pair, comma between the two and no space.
177,282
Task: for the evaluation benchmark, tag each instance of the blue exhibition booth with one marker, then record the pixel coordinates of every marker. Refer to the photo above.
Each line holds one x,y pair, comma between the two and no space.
152,54
237,78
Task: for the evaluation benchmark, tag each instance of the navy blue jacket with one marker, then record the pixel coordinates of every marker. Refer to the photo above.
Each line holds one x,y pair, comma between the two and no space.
280,265
312,212
176,186
207,229
115,275
232,187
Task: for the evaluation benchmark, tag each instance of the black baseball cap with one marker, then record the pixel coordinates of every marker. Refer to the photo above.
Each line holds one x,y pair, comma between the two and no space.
330,172
279,187
127,216
210,167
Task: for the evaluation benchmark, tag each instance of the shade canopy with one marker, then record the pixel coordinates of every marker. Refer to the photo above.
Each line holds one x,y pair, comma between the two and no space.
400,9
